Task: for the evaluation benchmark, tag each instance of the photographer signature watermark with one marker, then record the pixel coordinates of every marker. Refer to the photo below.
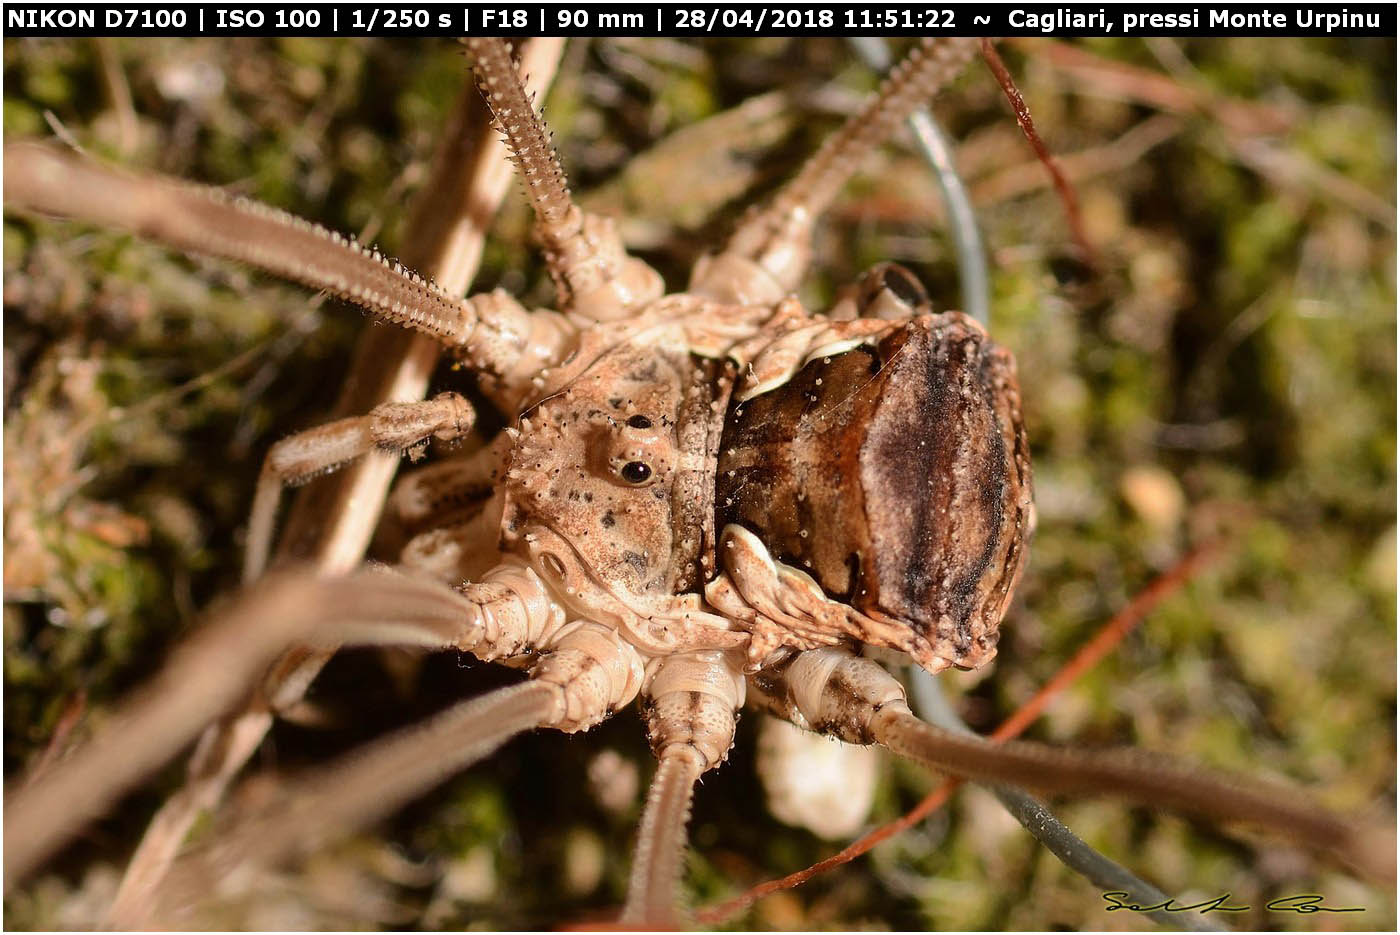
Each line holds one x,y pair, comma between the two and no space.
1302,903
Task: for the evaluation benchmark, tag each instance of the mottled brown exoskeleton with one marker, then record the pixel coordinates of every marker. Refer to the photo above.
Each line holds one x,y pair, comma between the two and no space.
701,496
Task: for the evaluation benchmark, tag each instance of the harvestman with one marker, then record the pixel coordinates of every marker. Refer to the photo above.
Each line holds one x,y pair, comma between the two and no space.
707,497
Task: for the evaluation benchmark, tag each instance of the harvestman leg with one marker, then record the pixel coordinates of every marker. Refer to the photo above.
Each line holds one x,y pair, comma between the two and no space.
692,703
391,428
211,671
855,700
584,673
468,180
593,275
508,613
768,256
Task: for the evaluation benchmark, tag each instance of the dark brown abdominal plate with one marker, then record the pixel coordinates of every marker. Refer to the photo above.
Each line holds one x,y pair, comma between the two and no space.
884,472
933,471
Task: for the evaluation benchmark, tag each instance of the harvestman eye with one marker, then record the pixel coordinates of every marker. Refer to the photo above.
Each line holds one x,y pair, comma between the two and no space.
636,472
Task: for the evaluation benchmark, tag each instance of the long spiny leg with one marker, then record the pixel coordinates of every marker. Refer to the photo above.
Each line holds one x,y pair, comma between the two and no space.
211,672
591,269
507,613
692,702
585,673
391,428
488,331
661,841
331,524
358,788
509,610
767,256
854,699
208,221
1145,778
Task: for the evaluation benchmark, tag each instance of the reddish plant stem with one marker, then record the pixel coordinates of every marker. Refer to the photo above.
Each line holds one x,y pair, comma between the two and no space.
1062,185
58,744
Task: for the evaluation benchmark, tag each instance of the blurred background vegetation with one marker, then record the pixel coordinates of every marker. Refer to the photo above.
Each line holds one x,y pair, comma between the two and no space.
1224,366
